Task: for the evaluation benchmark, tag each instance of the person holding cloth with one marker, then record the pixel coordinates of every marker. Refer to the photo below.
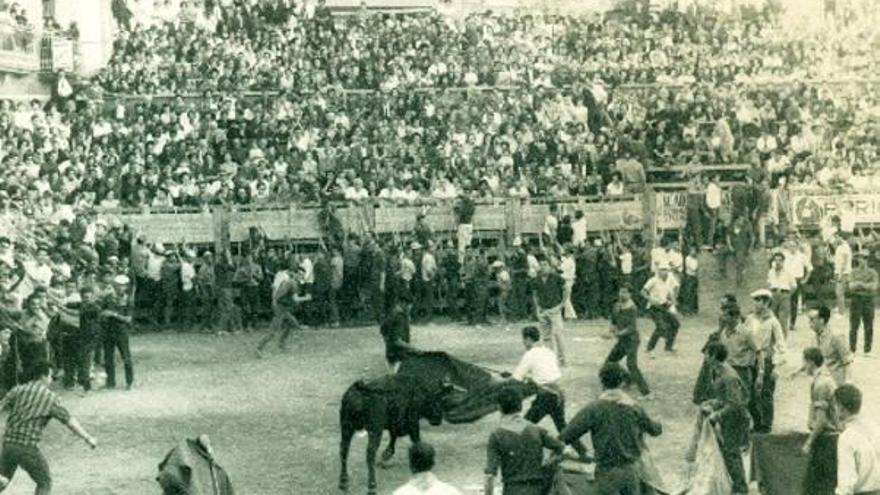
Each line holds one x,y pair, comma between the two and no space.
623,327
729,410
539,365
863,286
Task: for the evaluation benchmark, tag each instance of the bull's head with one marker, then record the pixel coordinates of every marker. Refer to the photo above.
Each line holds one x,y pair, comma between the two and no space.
434,402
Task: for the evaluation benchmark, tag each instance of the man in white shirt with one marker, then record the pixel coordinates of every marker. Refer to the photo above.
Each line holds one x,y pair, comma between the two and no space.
551,224
658,256
713,206
579,229
858,447
540,366
842,270
781,283
428,273
661,292
798,264
187,277
568,268
357,191
423,481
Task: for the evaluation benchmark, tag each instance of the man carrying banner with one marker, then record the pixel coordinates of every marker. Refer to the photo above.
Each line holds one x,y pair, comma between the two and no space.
728,409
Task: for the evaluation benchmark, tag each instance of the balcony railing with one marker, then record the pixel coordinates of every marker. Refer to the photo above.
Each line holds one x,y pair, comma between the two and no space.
19,49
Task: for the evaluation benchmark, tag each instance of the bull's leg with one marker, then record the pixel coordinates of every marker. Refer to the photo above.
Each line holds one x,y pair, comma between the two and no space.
415,433
389,451
344,446
372,447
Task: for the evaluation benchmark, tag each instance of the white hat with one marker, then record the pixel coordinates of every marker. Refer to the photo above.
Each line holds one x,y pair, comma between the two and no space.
761,293
517,241
121,280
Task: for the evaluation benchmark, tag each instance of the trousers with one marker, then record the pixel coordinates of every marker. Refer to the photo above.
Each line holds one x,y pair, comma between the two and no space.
551,402
551,326
622,480
861,313
30,459
628,347
116,338
761,404
283,322
666,325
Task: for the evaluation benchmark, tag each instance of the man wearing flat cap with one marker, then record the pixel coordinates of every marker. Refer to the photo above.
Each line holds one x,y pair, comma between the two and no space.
770,342
863,286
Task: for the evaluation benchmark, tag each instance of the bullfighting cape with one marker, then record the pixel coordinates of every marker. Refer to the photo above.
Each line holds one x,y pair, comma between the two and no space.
190,469
475,388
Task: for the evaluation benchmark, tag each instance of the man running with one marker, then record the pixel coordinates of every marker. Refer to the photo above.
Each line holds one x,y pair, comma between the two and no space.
539,365
285,297
623,327
661,292
30,406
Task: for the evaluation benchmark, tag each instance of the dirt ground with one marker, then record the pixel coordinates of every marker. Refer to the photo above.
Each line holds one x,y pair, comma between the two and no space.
274,421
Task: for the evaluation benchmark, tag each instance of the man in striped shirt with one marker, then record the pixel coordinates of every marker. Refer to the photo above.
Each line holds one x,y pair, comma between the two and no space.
30,407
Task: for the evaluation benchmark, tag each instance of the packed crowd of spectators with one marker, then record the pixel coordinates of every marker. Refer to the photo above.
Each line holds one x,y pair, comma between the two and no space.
403,144
248,45
407,145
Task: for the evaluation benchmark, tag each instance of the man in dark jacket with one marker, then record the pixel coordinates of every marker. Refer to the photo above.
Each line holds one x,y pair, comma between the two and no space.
616,424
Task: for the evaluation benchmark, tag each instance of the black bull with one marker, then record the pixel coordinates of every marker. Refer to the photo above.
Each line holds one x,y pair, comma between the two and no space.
429,385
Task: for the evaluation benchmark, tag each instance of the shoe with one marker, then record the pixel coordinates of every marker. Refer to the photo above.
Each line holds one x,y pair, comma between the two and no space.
129,386
866,354
109,387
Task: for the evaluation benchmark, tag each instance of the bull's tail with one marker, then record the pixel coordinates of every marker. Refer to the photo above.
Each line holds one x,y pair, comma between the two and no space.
353,410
